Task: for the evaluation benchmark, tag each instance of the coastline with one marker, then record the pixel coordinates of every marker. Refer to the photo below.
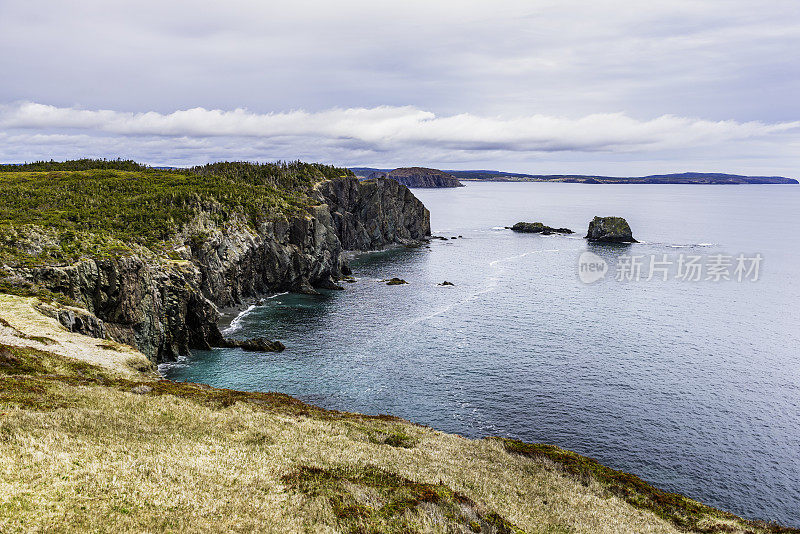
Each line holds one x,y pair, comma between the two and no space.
502,484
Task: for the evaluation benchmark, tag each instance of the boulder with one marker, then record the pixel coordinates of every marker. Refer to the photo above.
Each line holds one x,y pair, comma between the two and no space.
446,283
610,230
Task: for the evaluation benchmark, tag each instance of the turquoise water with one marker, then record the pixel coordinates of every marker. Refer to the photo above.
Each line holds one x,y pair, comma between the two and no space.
694,386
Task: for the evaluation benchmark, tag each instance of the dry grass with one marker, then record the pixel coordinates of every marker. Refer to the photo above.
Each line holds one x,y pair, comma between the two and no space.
21,324
84,448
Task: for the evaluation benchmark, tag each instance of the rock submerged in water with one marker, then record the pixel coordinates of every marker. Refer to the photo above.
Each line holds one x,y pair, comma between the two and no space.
394,281
538,228
610,230
258,344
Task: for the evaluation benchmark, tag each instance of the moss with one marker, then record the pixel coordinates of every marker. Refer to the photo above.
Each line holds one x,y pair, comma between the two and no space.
369,499
28,361
681,511
24,392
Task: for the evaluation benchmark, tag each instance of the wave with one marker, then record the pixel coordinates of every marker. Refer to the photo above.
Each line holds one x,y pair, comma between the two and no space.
518,256
181,361
694,245
236,324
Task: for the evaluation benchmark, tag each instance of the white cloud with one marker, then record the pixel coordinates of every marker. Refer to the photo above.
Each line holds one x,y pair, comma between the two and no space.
386,127
380,135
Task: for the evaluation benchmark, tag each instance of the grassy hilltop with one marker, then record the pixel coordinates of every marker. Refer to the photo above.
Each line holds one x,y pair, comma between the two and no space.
98,207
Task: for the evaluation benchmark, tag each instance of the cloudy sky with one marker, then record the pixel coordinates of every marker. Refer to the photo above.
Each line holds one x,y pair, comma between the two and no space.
619,87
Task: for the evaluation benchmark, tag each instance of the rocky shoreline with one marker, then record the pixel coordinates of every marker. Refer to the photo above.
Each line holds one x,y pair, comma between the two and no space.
166,307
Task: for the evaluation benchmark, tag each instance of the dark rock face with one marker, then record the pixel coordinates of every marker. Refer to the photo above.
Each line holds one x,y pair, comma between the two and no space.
422,177
539,228
610,230
371,214
76,320
165,308
259,344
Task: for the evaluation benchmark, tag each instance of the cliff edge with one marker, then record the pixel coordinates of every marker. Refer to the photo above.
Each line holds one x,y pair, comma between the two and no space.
418,177
214,246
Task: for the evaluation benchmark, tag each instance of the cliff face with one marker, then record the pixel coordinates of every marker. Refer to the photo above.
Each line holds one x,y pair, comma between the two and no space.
370,214
422,177
166,307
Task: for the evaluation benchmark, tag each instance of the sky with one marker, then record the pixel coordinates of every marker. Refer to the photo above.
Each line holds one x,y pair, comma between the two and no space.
617,87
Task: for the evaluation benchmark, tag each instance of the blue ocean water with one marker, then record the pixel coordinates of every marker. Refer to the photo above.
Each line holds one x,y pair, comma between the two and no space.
692,385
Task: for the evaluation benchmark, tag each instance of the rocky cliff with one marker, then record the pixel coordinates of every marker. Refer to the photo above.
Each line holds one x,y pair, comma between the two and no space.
165,307
422,177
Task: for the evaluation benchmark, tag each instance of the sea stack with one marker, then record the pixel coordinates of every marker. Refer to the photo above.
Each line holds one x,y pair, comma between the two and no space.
610,230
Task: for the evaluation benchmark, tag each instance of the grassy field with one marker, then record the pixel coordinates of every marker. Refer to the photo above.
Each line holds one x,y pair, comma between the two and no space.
90,440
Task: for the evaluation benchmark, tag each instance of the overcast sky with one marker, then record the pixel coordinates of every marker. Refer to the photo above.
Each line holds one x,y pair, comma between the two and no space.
619,87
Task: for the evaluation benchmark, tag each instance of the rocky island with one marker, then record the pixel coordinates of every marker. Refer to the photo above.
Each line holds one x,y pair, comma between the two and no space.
684,178
610,230
538,228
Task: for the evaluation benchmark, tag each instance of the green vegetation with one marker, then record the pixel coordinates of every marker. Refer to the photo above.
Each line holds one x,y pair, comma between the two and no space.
84,164
58,212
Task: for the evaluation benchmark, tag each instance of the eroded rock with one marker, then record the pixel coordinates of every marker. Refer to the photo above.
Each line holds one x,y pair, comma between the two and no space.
610,230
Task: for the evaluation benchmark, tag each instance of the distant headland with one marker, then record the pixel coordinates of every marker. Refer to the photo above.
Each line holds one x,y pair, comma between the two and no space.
412,176
677,178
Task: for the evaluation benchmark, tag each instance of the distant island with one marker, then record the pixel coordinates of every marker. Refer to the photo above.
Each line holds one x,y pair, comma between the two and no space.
678,178
411,176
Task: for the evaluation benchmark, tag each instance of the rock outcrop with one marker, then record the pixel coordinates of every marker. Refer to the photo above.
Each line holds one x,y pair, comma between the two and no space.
371,214
422,177
610,230
259,344
164,307
539,228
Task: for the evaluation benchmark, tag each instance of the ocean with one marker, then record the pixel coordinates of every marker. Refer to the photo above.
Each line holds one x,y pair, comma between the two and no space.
681,364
